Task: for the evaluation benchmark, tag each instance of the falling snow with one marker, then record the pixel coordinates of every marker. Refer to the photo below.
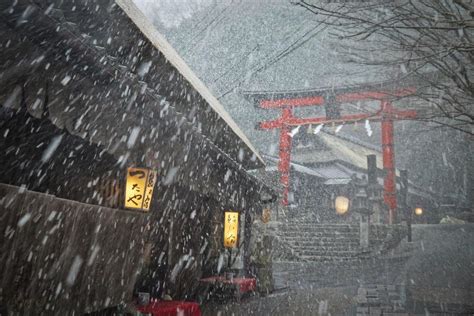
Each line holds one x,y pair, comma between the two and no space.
340,137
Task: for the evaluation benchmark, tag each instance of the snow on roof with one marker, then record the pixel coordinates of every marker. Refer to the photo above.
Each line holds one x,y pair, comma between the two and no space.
338,149
294,166
339,174
338,181
160,42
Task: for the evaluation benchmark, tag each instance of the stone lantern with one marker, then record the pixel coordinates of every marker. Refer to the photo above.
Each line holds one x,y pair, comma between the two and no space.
361,205
360,198
375,192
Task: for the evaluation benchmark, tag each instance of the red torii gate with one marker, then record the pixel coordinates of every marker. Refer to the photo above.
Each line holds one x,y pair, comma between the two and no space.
387,114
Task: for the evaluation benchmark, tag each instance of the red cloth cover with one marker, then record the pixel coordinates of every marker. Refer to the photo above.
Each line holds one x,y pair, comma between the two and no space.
171,308
245,284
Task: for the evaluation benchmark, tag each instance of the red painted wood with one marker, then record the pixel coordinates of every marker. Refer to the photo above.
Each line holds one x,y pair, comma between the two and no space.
390,190
386,115
270,124
243,285
294,121
285,154
171,308
373,95
346,119
344,97
279,103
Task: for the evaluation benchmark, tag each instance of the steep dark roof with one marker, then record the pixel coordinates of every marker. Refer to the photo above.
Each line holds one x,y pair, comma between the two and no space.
94,46
37,153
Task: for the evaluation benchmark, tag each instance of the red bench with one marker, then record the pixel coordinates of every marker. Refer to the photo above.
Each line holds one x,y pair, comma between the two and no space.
238,285
171,308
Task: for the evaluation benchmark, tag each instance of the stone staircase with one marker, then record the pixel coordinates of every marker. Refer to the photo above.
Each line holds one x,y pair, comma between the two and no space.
303,241
380,299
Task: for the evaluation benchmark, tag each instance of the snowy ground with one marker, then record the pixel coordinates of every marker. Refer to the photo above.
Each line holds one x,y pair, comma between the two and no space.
436,278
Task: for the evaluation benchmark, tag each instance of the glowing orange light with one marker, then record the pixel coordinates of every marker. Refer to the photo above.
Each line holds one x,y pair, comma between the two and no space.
418,211
139,188
231,229
342,205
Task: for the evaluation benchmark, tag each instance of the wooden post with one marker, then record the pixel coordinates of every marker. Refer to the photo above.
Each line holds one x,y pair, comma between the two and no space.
404,197
285,155
247,236
390,190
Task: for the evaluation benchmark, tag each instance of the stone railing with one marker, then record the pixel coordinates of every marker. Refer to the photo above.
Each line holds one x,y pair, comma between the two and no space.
384,238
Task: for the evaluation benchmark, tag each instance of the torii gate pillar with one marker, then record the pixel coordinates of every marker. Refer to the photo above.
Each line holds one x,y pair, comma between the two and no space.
388,151
285,153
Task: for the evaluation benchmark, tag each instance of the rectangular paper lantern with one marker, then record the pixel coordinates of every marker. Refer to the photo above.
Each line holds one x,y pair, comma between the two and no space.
231,229
139,188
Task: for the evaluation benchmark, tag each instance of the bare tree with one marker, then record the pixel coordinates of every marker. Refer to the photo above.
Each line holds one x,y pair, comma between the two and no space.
432,41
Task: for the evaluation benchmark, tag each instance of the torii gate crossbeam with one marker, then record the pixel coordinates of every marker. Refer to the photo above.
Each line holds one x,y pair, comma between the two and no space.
387,114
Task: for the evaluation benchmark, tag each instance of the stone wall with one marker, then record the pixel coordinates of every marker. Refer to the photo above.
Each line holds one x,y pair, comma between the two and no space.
308,275
263,243
59,256
386,237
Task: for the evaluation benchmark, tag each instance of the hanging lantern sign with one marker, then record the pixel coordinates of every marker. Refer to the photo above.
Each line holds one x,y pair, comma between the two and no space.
231,229
150,185
139,188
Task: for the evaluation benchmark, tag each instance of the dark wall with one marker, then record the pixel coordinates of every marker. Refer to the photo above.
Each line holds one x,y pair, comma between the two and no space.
59,256
181,233
187,239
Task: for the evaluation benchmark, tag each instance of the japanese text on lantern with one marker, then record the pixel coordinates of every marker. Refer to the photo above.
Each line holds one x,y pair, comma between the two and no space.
139,188
231,229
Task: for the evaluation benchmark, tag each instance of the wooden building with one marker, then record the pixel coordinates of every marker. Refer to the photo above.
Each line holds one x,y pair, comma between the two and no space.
88,89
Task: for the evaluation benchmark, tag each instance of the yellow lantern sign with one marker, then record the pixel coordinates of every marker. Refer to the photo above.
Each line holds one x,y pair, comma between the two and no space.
231,229
139,188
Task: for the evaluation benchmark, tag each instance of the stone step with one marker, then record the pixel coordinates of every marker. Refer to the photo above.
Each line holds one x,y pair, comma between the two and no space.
309,243
308,221
321,242
319,228
319,235
315,242
306,224
325,249
332,226
339,253
302,251
329,258
313,229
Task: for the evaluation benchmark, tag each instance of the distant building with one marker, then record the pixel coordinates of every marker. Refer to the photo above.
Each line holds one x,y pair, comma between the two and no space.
322,169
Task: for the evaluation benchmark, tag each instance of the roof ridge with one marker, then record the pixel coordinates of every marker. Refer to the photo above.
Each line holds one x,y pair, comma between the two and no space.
399,82
161,43
354,141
